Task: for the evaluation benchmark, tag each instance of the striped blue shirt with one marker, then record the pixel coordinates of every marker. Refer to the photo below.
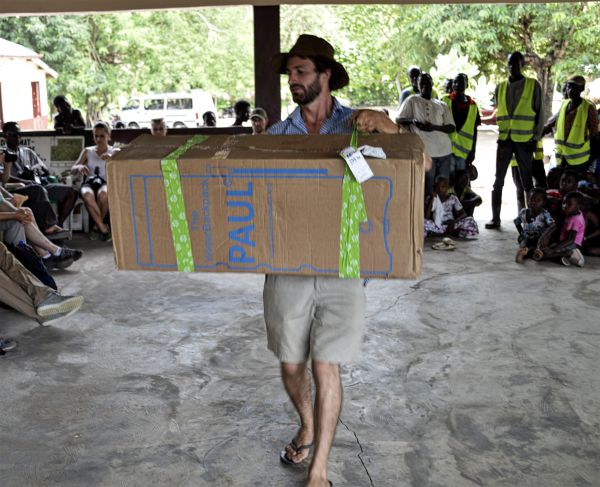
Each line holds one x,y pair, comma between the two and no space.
337,123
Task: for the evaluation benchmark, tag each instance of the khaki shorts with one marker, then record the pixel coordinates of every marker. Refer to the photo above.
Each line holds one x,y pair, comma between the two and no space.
318,317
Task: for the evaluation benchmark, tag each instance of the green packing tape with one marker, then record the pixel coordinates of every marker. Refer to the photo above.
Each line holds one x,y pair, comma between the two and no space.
176,205
354,213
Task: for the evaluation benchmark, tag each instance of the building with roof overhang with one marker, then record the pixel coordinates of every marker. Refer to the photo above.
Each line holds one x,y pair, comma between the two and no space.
23,93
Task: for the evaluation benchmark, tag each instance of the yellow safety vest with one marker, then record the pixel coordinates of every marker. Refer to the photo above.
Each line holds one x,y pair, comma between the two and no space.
520,125
576,149
538,155
462,140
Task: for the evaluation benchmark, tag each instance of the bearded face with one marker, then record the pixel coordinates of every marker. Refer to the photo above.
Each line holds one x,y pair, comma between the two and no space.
303,95
304,80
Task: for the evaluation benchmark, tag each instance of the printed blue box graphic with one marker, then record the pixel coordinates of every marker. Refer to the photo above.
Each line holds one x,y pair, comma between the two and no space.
247,193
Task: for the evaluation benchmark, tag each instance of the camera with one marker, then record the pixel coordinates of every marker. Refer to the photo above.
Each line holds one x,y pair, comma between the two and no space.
9,155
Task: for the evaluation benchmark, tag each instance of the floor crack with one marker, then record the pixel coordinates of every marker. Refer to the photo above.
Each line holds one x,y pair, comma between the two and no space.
361,451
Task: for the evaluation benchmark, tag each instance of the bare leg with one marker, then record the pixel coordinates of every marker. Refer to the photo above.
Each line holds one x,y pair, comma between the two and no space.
67,206
297,384
90,203
103,201
38,240
328,404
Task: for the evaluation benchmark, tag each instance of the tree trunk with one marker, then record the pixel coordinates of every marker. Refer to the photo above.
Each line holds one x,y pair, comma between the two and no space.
544,76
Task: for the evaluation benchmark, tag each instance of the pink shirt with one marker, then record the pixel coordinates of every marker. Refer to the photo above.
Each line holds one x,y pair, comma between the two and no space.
574,222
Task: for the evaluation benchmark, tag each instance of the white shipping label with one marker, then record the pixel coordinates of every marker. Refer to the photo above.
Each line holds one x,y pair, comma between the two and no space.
357,164
370,151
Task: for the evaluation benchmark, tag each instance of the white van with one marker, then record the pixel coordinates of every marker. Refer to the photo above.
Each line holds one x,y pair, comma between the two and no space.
178,109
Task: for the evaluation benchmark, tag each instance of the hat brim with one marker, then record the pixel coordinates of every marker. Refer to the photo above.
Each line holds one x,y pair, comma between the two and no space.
258,116
339,75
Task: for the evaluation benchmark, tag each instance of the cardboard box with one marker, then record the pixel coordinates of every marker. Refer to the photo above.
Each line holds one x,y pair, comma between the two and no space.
268,204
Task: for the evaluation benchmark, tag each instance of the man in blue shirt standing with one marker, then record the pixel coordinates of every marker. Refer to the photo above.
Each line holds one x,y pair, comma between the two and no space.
313,318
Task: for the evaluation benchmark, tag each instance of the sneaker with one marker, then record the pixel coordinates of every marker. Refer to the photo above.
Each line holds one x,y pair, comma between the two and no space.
106,237
576,258
565,261
6,345
62,261
58,307
75,254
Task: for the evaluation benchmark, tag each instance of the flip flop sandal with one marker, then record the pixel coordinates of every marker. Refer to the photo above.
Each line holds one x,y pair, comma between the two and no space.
444,245
287,460
59,235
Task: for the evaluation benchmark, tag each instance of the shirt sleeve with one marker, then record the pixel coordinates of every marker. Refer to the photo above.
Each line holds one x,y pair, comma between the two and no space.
78,119
406,109
548,220
34,159
456,203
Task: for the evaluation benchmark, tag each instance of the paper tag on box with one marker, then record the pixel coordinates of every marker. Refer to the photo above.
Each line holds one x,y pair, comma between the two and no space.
357,164
370,151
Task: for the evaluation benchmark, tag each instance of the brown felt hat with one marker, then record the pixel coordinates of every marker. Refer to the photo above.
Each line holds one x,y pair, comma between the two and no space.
314,47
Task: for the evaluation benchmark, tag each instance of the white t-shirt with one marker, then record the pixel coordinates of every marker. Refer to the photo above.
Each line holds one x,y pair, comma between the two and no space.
416,107
95,161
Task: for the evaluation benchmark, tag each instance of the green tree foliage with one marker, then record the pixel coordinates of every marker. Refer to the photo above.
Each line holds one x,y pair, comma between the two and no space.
557,39
103,58
100,58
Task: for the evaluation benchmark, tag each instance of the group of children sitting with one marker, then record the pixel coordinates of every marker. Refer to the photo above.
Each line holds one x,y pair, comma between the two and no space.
561,223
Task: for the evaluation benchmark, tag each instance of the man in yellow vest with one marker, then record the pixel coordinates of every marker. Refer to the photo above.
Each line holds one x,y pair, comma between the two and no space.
576,123
520,123
466,120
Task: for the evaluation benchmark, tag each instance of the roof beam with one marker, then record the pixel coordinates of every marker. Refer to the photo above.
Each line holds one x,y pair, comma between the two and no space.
47,7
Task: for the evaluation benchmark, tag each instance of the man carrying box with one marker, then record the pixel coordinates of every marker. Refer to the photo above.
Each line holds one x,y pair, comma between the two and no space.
316,318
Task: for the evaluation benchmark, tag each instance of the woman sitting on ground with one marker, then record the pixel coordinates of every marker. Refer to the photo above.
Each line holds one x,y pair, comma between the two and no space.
531,223
444,215
92,165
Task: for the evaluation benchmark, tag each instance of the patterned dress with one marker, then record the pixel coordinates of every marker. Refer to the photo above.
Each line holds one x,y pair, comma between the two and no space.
533,226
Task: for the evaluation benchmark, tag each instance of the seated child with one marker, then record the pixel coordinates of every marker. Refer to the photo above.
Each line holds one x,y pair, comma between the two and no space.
531,223
462,189
553,177
567,249
444,215
568,182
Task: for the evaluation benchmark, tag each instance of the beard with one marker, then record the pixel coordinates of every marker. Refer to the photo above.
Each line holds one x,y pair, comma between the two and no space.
308,93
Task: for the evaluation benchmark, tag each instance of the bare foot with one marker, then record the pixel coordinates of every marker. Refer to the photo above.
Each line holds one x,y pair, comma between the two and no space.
521,254
299,448
19,199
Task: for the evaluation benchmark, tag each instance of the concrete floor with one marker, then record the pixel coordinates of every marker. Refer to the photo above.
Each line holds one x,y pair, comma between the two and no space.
481,372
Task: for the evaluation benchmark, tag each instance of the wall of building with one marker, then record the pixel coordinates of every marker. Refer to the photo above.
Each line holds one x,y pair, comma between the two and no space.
16,76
